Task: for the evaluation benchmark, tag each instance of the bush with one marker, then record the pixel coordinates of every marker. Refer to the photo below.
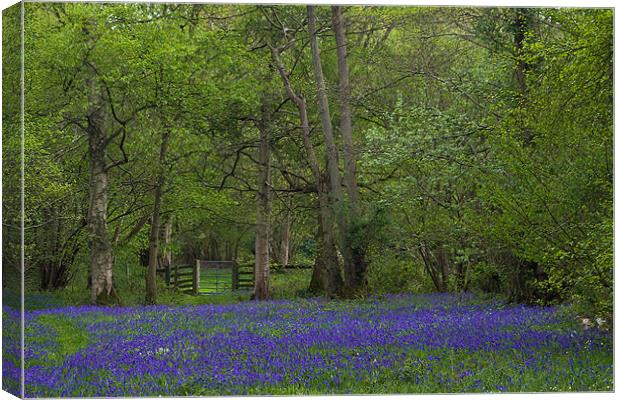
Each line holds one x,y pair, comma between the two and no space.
393,274
586,276
485,278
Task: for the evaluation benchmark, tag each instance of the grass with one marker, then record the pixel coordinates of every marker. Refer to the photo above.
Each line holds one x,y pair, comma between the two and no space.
215,280
68,335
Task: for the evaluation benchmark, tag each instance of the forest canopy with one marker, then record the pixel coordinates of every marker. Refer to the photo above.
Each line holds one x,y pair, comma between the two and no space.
391,148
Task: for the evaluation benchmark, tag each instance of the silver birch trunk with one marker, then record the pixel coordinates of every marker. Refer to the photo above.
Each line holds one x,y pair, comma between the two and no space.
102,290
167,254
263,211
285,240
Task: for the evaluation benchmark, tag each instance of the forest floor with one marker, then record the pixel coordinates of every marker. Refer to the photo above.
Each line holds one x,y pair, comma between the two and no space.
403,343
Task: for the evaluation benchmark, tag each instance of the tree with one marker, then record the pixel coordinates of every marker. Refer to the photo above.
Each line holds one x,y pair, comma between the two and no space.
88,100
151,275
465,149
355,278
12,170
332,279
263,208
335,188
102,286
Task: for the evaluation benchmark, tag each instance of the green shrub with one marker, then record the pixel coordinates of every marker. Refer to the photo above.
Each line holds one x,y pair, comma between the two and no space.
393,274
589,273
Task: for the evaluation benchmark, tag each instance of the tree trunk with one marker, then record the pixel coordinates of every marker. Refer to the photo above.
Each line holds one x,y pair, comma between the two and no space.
102,290
330,268
357,280
335,188
344,93
285,240
444,267
436,264
45,238
328,133
318,280
263,211
167,253
428,265
151,273
228,251
333,280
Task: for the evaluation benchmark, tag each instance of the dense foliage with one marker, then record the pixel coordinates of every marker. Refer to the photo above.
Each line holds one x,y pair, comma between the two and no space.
481,149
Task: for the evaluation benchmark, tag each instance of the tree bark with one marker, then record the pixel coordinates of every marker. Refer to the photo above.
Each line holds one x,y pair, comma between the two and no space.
286,236
263,211
333,283
102,290
346,126
335,188
443,265
317,282
356,278
436,264
151,273
326,123
167,253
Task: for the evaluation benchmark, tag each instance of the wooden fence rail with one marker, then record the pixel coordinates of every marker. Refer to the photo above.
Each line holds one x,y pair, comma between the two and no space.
243,277
185,277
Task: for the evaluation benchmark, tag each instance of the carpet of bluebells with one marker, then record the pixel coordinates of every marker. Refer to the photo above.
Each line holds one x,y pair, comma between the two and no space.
397,343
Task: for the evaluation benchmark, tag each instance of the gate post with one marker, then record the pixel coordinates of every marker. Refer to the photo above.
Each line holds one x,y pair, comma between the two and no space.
196,280
235,275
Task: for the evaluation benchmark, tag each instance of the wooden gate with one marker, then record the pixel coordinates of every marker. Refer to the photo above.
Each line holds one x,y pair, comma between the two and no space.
243,277
216,276
185,278
212,277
